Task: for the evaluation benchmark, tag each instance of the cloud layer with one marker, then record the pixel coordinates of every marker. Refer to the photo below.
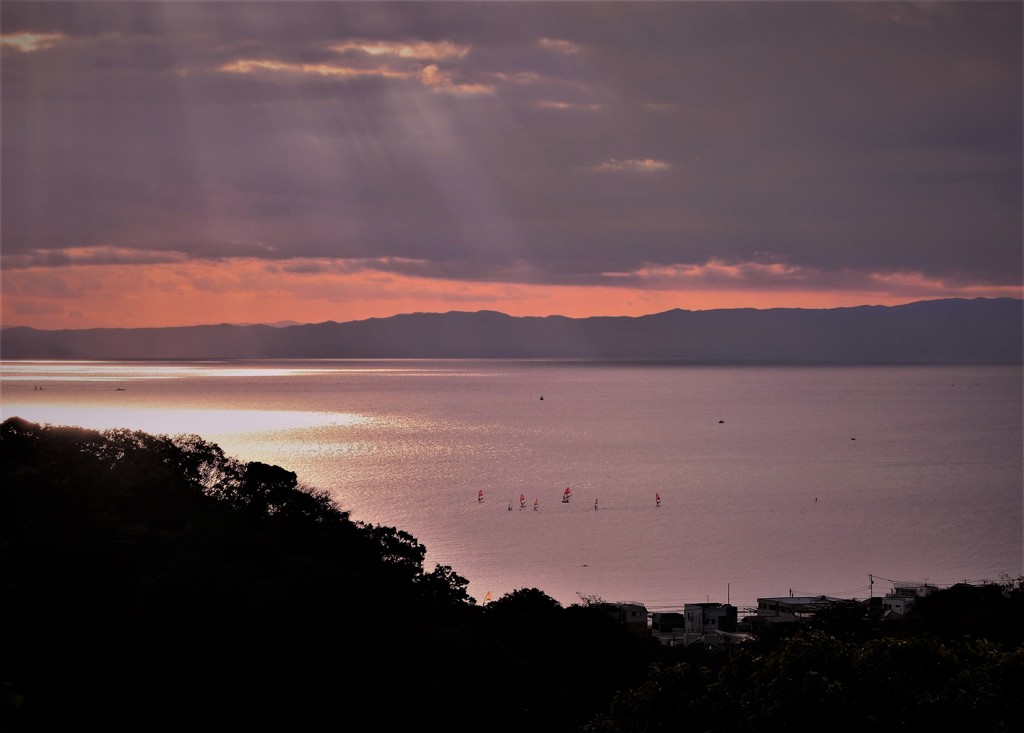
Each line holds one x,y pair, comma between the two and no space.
848,150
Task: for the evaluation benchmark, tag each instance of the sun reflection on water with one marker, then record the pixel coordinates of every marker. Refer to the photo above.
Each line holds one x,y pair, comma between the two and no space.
121,371
172,422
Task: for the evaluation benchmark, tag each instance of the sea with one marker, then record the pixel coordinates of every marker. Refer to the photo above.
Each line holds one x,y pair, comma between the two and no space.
688,482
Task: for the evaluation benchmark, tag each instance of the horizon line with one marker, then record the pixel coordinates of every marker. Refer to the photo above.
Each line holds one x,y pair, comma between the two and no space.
286,323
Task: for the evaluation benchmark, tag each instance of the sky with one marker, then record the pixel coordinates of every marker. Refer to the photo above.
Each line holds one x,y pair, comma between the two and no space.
182,163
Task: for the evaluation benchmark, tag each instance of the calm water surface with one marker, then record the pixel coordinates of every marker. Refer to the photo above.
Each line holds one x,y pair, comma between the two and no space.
772,479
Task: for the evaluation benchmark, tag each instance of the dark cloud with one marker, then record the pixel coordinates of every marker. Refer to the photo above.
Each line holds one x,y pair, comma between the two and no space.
571,140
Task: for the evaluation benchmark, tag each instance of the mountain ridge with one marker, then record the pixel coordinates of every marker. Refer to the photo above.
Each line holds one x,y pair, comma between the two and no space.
953,330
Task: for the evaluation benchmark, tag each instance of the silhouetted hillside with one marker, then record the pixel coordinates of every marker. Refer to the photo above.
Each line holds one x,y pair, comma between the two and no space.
940,331
153,583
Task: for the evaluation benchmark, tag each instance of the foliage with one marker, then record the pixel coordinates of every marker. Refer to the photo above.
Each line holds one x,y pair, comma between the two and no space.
991,610
146,572
153,578
152,581
813,680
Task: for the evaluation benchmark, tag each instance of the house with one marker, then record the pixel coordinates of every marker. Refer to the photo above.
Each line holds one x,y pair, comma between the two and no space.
711,624
668,622
794,608
777,614
669,628
901,599
703,618
633,615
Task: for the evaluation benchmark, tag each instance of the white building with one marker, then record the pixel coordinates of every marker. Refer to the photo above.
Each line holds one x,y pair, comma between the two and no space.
704,618
794,608
711,624
903,595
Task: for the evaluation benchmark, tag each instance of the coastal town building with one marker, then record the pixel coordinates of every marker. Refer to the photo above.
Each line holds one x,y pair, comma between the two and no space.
668,622
775,614
631,614
711,624
794,608
900,600
703,618
718,624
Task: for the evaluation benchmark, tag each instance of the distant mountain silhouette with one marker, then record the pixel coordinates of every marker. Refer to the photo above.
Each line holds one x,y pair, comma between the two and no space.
275,324
938,331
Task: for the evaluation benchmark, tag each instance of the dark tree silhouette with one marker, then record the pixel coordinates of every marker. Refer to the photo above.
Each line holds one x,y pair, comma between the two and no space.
153,582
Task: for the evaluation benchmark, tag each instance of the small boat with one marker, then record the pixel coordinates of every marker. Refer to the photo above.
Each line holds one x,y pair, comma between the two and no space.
595,505
479,496
657,499
566,495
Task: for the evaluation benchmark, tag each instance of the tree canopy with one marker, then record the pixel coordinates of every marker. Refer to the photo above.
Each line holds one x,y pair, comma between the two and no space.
153,578
151,581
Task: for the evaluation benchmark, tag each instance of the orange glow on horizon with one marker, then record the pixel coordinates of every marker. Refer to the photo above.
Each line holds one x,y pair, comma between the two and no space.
251,291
